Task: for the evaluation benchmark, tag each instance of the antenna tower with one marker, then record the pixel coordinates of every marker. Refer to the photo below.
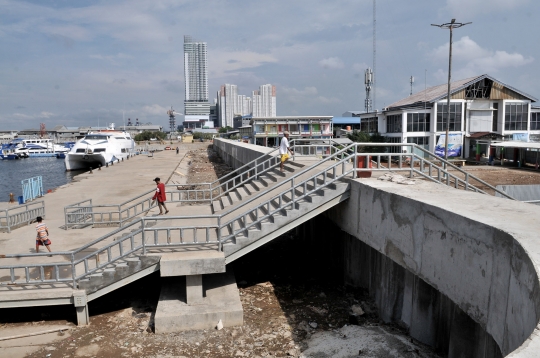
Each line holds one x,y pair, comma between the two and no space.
368,81
374,51
411,81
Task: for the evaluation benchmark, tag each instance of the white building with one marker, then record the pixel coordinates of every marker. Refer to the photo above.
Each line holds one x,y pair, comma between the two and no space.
227,104
483,111
196,77
264,101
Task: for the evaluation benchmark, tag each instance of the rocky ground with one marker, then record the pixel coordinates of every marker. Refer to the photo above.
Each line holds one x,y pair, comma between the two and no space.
293,307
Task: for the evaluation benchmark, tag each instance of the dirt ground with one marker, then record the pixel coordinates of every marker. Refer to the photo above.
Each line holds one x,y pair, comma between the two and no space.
288,301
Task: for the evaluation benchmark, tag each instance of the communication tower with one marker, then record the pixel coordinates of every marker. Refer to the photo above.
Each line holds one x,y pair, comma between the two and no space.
411,81
368,81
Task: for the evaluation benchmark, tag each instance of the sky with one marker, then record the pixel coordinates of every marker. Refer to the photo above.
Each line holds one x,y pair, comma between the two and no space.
93,62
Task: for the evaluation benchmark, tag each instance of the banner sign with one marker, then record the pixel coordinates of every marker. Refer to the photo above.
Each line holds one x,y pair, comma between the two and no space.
454,145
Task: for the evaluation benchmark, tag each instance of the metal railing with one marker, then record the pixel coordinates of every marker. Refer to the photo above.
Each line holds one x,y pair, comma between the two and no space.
21,215
86,213
216,230
32,188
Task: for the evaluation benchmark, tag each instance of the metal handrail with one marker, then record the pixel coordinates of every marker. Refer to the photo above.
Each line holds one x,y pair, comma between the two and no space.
442,176
16,215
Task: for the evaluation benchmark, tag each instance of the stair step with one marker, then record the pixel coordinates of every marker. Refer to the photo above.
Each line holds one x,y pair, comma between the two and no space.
242,192
225,201
296,164
234,197
216,206
252,187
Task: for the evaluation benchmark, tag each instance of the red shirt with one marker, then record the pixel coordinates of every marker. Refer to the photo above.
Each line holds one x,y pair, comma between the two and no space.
160,193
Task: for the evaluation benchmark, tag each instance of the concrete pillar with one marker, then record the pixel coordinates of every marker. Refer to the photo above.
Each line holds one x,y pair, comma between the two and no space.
194,289
81,306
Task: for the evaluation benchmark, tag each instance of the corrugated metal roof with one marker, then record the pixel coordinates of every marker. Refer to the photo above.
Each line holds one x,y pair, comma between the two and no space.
433,94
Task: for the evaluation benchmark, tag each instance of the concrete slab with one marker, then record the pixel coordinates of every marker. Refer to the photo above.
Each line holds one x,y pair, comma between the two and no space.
196,262
221,302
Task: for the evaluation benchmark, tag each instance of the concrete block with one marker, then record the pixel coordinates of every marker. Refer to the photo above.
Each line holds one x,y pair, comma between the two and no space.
221,302
197,262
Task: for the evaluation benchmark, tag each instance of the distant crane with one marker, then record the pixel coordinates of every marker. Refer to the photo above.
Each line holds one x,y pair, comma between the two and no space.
172,120
42,130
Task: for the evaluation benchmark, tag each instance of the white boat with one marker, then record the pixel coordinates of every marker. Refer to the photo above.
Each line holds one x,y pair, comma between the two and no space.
32,147
99,149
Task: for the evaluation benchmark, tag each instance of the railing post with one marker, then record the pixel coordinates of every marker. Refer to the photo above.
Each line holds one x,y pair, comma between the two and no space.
143,221
73,270
219,233
292,192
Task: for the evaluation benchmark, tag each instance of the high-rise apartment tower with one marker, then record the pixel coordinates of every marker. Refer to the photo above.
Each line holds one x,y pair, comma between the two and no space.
264,101
196,77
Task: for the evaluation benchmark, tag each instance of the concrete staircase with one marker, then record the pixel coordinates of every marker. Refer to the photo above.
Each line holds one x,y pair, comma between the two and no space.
254,186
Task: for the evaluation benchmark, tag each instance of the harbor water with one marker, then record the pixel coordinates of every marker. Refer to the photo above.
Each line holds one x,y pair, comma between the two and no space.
12,172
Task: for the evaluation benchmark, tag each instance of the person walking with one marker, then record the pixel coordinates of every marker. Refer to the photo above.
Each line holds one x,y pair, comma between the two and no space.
283,148
42,238
177,150
160,196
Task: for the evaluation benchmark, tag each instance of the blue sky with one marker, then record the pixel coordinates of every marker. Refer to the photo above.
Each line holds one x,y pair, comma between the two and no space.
83,62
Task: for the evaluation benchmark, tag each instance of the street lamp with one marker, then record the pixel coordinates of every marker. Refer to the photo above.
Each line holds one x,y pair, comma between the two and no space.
451,25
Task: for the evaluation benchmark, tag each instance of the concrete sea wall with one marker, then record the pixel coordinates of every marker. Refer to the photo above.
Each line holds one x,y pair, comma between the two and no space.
458,269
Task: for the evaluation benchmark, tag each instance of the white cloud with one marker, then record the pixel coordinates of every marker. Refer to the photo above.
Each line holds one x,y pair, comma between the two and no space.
227,62
333,63
360,67
45,114
470,59
307,91
154,109
469,8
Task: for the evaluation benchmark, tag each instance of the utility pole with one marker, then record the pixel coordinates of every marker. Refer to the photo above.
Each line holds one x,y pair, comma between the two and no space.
450,25
411,81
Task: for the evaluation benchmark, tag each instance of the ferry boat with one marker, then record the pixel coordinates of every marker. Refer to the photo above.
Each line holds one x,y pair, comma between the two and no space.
31,147
99,148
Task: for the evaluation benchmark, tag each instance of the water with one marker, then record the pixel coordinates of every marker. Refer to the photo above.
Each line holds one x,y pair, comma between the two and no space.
52,171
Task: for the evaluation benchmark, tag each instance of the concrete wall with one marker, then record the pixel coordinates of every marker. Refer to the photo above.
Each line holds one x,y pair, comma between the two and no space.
474,250
458,269
236,153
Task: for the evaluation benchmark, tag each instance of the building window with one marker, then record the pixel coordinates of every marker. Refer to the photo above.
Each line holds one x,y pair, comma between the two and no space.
418,140
394,149
418,122
455,116
515,116
535,121
393,123
369,125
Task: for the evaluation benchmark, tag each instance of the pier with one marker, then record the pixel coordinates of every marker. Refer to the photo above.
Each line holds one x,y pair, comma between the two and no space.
426,252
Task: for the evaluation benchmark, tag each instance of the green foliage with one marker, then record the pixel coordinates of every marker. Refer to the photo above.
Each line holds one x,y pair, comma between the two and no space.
198,135
225,129
148,135
364,137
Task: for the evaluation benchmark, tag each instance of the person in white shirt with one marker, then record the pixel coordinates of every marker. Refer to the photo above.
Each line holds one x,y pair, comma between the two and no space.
283,149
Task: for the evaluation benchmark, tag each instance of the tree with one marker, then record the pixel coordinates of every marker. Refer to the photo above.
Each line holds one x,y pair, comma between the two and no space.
146,135
364,137
225,129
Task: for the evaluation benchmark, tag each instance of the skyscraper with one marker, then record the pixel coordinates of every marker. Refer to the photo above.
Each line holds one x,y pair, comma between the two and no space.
264,101
196,77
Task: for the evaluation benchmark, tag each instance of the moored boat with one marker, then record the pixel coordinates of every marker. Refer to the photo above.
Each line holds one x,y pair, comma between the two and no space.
99,149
